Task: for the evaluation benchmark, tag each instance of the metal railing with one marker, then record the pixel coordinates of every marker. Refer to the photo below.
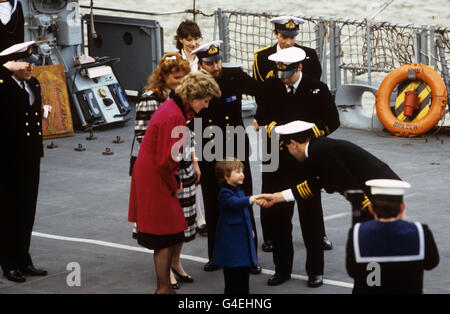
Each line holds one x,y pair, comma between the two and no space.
364,49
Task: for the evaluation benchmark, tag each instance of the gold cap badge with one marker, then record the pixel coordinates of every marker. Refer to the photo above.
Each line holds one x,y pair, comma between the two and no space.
281,66
290,25
213,50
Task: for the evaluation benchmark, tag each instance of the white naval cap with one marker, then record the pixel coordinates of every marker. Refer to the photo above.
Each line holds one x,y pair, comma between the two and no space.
298,131
209,52
287,61
287,25
388,187
17,51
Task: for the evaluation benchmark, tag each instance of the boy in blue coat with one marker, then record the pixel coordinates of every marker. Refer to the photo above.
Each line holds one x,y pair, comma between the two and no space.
234,248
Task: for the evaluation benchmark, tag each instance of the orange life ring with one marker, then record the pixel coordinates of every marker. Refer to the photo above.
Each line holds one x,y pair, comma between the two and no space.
437,108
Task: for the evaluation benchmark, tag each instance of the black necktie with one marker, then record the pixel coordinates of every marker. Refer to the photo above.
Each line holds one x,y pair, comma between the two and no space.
25,90
291,91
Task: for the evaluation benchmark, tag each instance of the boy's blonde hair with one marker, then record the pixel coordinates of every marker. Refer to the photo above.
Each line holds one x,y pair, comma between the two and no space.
198,85
225,167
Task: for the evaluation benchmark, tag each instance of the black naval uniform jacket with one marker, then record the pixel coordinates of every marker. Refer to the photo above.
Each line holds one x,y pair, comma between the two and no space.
222,112
339,165
13,32
402,249
312,102
263,68
21,126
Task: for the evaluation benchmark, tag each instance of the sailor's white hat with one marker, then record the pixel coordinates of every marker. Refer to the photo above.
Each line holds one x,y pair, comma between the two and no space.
287,25
388,187
209,52
287,61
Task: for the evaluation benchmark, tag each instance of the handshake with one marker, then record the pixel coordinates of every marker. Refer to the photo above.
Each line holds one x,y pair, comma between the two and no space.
267,200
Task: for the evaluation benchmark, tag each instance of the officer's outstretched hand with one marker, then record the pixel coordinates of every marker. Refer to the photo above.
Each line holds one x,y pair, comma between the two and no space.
268,200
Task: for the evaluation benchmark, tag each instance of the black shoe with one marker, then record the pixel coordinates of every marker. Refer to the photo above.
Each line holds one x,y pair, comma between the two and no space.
327,245
255,270
34,271
174,286
276,280
15,275
267,246
210,267
202,230
315,281
186,278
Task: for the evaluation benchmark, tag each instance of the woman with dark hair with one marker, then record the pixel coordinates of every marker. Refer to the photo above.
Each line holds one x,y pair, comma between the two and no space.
155,183
187,40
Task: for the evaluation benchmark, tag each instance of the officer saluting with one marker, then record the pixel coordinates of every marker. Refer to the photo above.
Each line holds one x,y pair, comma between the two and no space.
292,95
226,113
20,99
402,250
286,31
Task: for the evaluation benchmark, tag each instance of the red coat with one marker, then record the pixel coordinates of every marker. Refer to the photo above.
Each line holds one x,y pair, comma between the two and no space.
154,205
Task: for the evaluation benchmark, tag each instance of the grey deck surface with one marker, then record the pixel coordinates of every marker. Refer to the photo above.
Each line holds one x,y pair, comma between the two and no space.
84,196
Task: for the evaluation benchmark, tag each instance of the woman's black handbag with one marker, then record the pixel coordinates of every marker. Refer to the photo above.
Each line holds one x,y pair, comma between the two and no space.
132,158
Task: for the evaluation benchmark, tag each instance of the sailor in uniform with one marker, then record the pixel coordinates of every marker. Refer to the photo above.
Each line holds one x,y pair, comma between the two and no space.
286,31
291,95
20,99
11,23
225,113
388,255
335,165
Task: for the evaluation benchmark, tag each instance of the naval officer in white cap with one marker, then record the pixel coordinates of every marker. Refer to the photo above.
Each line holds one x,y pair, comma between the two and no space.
223,112
286,29
335,165
288,96
397,250
21,119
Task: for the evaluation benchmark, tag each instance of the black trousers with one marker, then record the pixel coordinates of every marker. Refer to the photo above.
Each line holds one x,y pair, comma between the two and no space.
276,222
236,280
210,192
17,216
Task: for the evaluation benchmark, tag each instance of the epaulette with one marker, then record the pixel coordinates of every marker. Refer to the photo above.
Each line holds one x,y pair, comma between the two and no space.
259,50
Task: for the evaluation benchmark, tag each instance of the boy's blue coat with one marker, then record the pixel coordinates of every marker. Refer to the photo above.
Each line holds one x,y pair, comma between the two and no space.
234,245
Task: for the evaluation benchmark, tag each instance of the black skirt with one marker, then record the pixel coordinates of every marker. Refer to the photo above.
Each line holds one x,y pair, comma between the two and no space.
159,241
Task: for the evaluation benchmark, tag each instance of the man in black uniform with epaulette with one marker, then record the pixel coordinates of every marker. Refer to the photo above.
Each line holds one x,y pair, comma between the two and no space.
286,31
335,165
292,95
20,100
226,114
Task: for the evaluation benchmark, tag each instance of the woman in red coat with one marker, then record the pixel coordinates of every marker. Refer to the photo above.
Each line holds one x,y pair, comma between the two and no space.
154,205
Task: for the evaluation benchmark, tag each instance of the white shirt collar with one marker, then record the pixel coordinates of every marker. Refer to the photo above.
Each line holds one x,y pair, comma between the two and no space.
27,88
194,64
296,84
306,150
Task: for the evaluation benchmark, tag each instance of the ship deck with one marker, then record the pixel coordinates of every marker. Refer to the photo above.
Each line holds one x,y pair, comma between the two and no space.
83,205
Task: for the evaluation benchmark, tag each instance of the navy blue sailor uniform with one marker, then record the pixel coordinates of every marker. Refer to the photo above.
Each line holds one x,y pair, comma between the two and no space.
402,249
339,165
263,68
12,32
312,102
224,112
21,124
